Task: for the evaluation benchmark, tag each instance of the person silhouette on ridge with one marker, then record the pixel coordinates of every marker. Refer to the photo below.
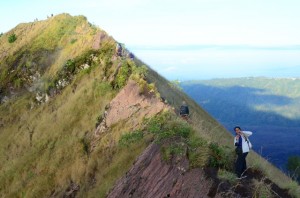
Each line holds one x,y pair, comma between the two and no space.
184,111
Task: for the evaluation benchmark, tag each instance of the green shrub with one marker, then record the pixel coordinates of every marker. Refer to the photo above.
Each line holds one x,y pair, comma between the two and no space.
166,126
130,138
123,75
12,38
140,71
85,145
70,66
221,156
198,152
176,134
293,166
173,150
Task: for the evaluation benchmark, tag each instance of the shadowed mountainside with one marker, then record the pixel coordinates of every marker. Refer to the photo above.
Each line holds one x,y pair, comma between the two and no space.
254,109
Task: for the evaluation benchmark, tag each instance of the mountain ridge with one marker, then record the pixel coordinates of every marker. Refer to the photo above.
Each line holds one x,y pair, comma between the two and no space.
51,147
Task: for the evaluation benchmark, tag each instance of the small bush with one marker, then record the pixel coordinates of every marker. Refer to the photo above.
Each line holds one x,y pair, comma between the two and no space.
261,189
130,138
221,156
85,145
166,126
173,150
199,157
198,152
70,66
12,38
293,166
155,124
227,176
123,75
201,153
140,71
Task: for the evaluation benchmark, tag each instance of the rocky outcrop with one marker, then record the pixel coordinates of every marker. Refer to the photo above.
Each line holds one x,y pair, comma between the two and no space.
130,103
98,38
151,176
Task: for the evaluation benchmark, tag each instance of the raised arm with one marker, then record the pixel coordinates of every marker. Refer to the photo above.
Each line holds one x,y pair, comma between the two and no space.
247,133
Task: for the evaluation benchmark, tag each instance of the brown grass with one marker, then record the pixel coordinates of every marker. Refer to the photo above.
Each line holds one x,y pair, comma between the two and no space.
208,128
42,150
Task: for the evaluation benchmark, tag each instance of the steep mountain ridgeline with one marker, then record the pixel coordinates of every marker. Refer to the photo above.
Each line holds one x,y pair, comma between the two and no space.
42,47
47,132
78,127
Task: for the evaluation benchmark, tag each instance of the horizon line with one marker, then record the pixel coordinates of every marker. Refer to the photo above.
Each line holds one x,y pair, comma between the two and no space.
213,46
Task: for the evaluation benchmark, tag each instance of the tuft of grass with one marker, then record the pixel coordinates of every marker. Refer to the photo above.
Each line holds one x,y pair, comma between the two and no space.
293,188
198,152
227,176
12,38
261,189
177,149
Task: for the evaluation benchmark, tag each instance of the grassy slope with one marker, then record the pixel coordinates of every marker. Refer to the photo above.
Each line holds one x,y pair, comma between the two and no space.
210,129
43,150
57,154
43,46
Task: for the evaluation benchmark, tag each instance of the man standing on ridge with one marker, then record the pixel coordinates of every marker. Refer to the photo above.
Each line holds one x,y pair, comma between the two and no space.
243,146
184,111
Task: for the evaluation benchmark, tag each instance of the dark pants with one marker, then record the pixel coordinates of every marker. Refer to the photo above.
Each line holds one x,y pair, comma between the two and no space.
240,164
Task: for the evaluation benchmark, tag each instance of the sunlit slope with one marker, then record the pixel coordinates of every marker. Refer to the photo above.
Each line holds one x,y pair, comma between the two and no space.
42,47
49,147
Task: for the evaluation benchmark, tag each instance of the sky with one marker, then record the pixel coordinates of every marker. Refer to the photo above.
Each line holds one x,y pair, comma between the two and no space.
191,39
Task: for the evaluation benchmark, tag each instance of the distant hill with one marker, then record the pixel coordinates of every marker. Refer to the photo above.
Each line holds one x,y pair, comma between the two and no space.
267,101
268,106
79,117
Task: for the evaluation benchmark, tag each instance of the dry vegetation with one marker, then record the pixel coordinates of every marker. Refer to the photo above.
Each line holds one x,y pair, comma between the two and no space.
45,149
208,128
